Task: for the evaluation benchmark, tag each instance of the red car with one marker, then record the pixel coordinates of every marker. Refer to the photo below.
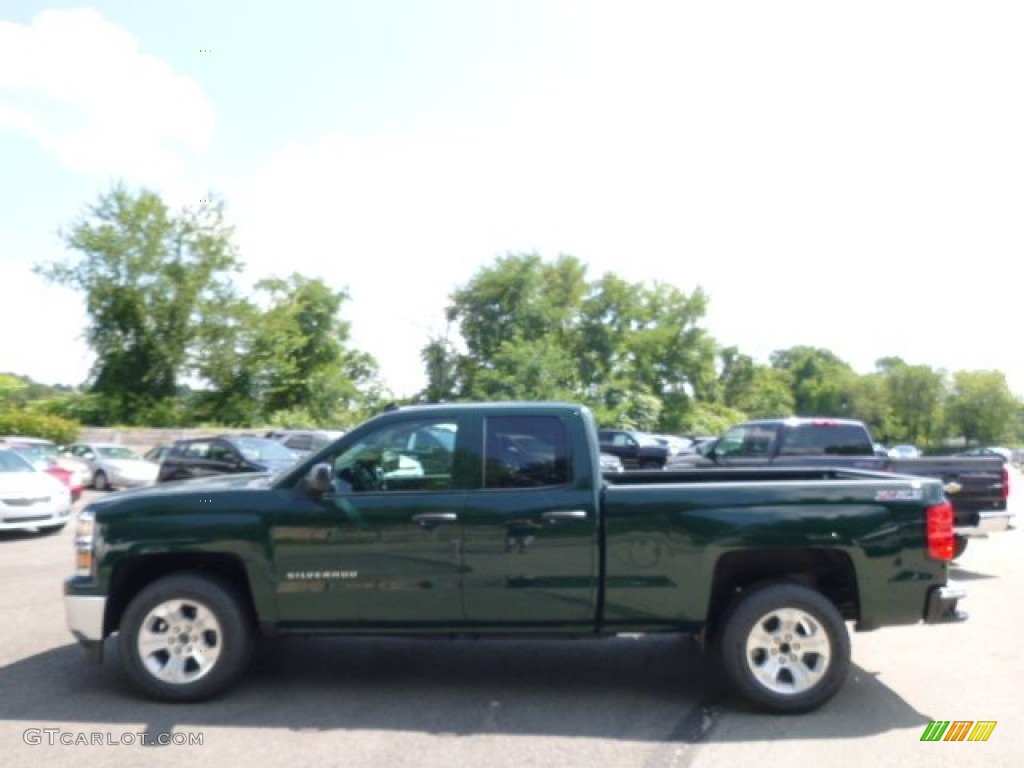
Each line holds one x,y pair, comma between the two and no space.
38,458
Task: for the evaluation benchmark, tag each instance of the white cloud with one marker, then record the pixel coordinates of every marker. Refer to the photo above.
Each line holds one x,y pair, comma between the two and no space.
42,329
843,179
79,86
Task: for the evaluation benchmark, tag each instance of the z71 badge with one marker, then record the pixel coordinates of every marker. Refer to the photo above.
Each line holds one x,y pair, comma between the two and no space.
898,495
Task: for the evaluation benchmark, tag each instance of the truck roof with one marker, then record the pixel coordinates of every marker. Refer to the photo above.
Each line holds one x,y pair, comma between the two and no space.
797,421
494,405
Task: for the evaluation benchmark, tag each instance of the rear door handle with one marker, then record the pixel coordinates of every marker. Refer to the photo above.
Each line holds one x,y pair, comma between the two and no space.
564,515
434,519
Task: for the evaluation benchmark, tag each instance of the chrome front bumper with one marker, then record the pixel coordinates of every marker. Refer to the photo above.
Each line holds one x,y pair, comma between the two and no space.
84,616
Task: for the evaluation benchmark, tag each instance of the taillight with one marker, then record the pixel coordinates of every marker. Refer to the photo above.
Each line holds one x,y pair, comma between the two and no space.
939,526
1006,482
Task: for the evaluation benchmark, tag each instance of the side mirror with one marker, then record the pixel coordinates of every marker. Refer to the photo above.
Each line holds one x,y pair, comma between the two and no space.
319,478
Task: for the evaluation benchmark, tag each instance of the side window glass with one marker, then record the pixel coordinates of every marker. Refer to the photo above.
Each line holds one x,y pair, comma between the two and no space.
525,452
407,456
198,450
757,442
220,452
731,442
620,439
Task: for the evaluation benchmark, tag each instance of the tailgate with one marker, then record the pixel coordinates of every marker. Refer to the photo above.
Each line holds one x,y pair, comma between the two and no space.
973,485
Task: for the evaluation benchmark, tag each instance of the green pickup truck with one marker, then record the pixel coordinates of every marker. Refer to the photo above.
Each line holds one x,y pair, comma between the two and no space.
495,519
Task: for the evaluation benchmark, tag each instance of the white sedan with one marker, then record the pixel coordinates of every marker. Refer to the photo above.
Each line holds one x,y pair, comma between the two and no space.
30,498
114,466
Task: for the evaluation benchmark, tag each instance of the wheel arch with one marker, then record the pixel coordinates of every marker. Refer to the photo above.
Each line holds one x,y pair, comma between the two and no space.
828,571
133,574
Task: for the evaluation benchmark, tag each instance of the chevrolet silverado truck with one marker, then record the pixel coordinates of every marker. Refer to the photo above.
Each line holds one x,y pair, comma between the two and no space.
978,487
495,519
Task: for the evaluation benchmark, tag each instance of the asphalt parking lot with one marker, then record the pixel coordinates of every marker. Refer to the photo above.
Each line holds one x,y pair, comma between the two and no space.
648,702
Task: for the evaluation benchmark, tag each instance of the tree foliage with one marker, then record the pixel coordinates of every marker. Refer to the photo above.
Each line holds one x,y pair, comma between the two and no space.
146,275
981,407
536,329
163,312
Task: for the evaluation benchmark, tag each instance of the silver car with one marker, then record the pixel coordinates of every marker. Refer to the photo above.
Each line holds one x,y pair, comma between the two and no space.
114,466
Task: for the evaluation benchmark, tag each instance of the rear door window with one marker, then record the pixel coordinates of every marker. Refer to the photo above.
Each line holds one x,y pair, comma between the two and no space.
526,452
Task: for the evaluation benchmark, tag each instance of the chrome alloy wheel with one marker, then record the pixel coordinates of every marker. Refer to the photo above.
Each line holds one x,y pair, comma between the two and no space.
179,641
788,651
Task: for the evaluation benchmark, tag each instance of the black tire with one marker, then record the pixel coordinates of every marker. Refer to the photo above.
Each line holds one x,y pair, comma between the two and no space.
959,545
765,663
99,481
650,465
223,633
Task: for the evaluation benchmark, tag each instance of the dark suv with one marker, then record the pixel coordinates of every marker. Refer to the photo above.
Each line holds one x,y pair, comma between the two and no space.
636,450
226,454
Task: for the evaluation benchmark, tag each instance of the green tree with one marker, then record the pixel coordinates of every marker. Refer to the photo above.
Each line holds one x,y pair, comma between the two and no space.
442,361
538,330
736,375
516,317
288,355
822,384
914,395
769,394
147,275
981,407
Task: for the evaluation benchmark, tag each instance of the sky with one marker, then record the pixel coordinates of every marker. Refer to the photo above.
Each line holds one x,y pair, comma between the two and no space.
842,175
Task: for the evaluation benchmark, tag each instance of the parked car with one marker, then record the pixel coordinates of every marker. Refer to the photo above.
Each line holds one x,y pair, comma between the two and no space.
305,441
675,444
79,470
38,458
767,565
611,463
30,498
114,466
222,455
156,453
636,450
905,452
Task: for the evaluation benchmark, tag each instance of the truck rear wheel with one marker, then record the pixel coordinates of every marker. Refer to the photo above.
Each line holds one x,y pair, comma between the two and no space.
185,637
784,648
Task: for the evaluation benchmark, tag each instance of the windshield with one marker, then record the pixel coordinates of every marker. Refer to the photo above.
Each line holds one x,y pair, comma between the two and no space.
115,452
12,462
36,456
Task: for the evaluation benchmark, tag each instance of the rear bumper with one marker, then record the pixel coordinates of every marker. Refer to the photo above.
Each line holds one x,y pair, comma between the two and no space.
940,607
989,521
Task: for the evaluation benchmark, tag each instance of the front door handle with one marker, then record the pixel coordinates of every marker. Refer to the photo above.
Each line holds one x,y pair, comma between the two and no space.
564,515
434,519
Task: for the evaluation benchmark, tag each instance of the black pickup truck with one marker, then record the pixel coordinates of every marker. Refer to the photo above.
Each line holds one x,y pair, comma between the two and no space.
977,486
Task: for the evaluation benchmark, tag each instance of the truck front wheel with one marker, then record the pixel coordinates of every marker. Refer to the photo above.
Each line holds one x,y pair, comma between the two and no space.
185,637
785,648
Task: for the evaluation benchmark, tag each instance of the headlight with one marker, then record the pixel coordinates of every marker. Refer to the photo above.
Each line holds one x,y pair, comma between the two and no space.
85,540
